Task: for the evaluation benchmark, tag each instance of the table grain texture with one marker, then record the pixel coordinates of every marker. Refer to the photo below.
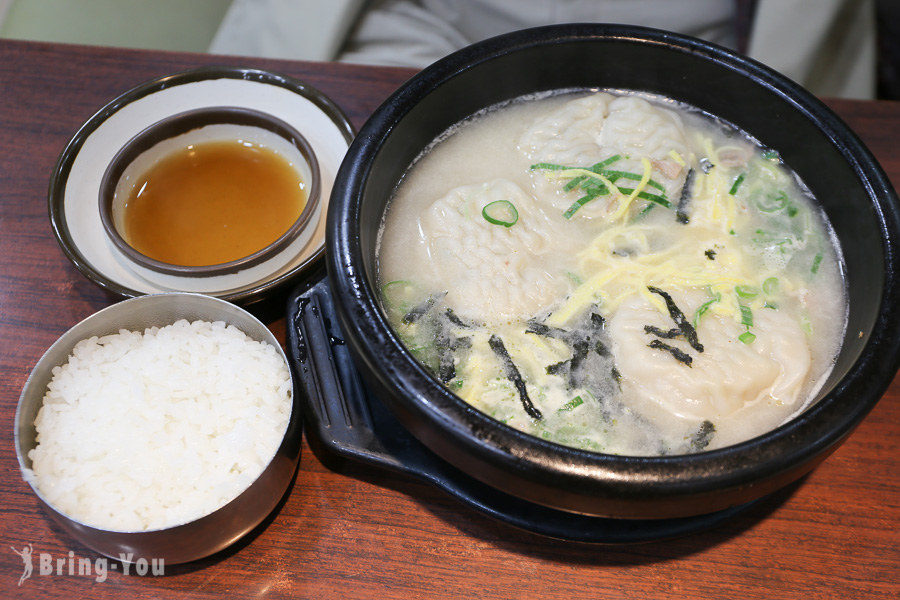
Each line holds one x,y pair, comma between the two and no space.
358,532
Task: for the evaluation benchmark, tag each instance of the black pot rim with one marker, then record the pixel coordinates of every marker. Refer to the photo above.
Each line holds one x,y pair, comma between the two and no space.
810,435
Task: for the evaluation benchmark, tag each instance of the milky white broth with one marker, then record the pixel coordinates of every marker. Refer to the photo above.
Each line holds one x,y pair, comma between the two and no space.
693,299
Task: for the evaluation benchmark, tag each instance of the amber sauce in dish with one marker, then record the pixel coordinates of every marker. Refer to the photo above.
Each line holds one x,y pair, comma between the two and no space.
213,202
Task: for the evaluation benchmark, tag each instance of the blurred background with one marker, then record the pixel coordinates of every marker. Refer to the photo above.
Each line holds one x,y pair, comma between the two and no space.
835,48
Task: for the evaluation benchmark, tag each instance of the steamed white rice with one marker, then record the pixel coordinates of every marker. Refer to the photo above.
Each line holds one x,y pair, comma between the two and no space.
142,431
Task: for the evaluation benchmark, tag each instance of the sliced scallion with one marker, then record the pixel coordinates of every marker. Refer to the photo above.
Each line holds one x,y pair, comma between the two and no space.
571,404
704,308
746,316
746,291
817,262
577,205
737,184
656,199
747,337
773,203
500,212
614,175
771,286
399,295
596,180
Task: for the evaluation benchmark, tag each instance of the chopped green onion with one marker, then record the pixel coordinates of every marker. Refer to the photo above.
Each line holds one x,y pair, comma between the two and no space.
737,183
595,167
771,286
595,186
614,175
746,292
806,324
399,294
771,155
500,212
773,203
575,182
702,310
606,162
655,198
747,337
572,404
644,211
817,261
577,204
746,316
548,167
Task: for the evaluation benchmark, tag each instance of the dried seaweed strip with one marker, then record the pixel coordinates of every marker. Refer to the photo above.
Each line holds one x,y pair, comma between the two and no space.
558,368
601,349
580,351
512,373
666,334
703,436
679,355
446,367
454,318
446,363
419,311
460,342
538,328
681,214
617,377
690,334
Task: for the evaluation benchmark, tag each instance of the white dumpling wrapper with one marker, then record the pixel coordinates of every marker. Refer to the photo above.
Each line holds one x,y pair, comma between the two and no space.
569,135
495,273
638,129
726,378
585,131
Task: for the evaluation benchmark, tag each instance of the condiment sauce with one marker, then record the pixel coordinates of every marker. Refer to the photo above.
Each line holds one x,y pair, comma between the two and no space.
213,202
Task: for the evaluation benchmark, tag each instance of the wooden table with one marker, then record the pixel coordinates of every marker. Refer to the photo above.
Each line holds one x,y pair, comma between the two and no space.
364,533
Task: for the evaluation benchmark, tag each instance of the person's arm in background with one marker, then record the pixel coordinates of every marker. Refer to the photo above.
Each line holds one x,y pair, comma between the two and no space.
827,46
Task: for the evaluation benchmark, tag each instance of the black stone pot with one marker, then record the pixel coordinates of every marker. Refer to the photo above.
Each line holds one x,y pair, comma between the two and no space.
840,171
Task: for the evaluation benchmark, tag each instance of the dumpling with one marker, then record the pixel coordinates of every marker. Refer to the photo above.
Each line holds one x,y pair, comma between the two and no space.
569,135
495,273
638,129
725,379
598,127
